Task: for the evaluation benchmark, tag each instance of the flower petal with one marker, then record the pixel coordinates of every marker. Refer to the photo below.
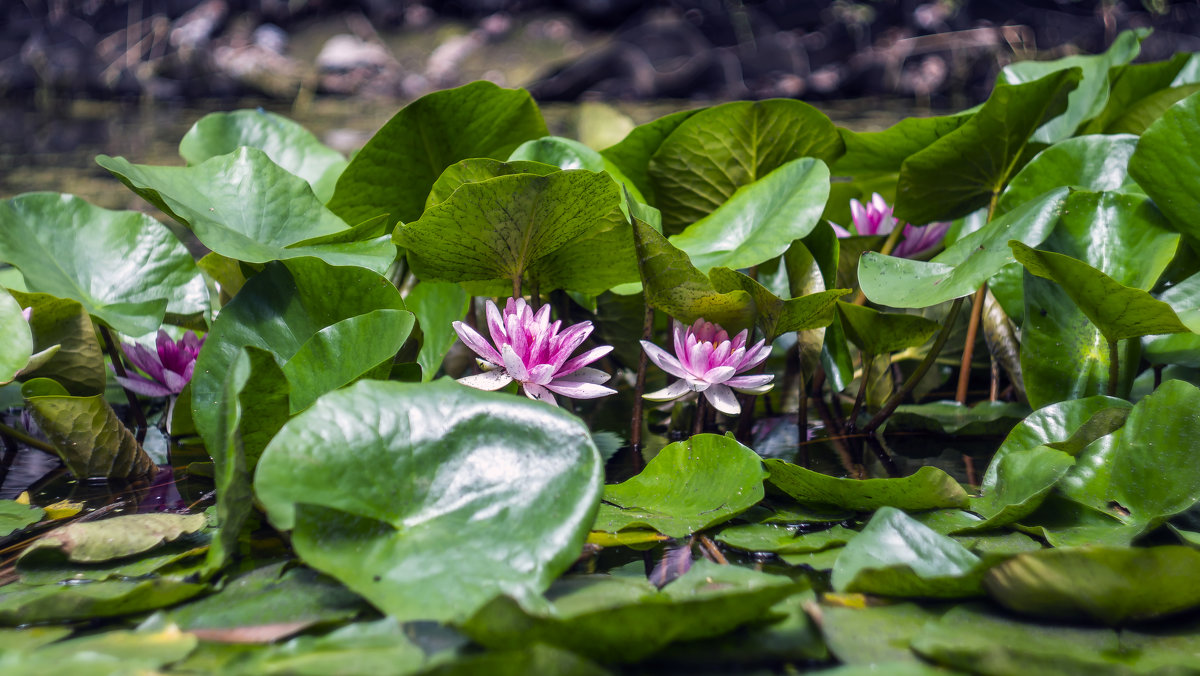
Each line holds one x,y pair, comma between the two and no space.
663,360
723,399
471,338
514,365
579,390
749,382
585,375
583,359
673,391
495,322
541,374
144,386
540,393
719,374
488,380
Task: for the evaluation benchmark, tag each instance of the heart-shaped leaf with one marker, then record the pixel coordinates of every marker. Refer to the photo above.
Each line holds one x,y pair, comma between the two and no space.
124,267
393,172
431,499
1179,348
964,265
928,488
288,144
86,432
479,169
689,486
759,220
883,152
566,153
1015,485
632,154
1170,177
1095,163
78,365
711,154
946,181
246,207
880,333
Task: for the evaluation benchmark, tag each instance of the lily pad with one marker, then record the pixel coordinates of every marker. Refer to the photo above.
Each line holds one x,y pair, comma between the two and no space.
762,537
1096,163
1178,348
883,152
108,539
478,169
566,153
1112,585
632,154
928,488
689,486
393,172
496,494
357,649
1015,485
21,604
124,267
594,616
1172,178
246,207
897,556
288,144
110,652
880,333
15,516
875,634
86,432
711,154
78,365
952,418
760,220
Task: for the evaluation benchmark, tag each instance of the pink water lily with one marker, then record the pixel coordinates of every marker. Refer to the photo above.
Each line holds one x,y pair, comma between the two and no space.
875,218
528,348
169,367
707,361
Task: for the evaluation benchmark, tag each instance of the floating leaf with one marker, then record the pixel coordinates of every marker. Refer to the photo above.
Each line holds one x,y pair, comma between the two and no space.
444,496
357,649
86,432
544,229
675,286
593,616
246,207
1112,585
393,172
964,265
21,604
875,635
689,486
107,539
110,652
897,556
969,167
760,220
1015,485
928,488
15,516
124,267
711,154
952,418
763,537
288,144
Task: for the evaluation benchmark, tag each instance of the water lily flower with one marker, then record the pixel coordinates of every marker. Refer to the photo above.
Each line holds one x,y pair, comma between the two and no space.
707,361
528,348
875,218
169,367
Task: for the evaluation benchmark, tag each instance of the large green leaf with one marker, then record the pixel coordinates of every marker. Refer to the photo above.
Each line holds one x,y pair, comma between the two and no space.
777,316
765,537
595,615
883,152
246,207
964,265
880,333
326,326
107,652
986,418
673,285
14,516
562,230
711,154
107,539
689,486
16,339
1015,485
288,144
897,556
1095,163
367,648
1064,355
1132,84
969,167
1090,97
566,153
876,637
436,306
632,154
86,432
21,604
1168,175
1112,585
760,220
928,488
430,499
394,171
78,365
1178,348
1118,311
124,267
478,169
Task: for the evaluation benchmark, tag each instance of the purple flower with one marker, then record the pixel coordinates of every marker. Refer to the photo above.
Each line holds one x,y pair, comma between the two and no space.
170,367
875,218
530,350
706,361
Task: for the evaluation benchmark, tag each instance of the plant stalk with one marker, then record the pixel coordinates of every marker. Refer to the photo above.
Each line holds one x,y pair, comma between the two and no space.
639,388
114,354
1114,367
897,396
964,372
13,433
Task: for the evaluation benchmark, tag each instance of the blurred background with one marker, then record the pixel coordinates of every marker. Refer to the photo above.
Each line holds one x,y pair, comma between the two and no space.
129,77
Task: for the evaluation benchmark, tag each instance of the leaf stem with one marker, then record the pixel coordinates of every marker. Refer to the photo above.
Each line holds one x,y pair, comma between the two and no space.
894,401
1114,367
29,441
639,387
114,354
964,371
852,422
